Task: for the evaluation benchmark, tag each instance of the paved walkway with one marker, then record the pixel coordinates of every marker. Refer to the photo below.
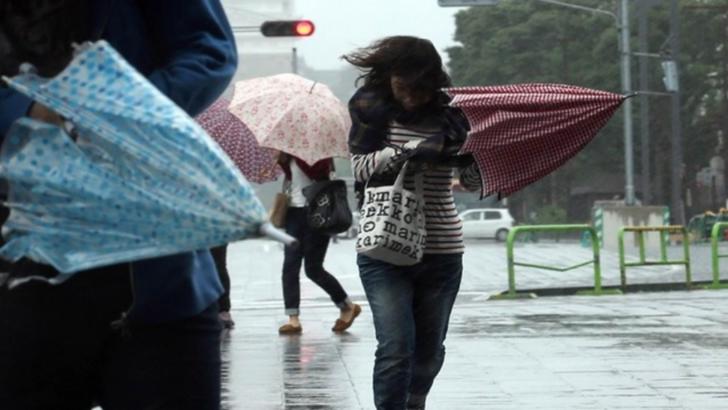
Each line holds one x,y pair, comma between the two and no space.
637,351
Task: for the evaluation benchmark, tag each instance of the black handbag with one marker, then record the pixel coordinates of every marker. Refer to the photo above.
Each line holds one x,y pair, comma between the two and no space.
328,208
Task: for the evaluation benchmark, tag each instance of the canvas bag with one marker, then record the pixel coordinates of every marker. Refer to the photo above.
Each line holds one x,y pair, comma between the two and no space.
392,222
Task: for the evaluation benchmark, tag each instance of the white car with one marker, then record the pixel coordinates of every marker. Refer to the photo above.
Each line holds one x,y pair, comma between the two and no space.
487,223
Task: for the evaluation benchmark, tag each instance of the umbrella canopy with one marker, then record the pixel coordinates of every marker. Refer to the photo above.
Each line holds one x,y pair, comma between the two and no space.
258,164
293,114
141,180
521,133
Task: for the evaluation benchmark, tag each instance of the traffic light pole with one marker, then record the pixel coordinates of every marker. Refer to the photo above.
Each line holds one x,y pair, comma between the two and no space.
294,60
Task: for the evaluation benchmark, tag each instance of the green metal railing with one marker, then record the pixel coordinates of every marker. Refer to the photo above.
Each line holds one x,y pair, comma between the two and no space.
714,233
512,294
663,231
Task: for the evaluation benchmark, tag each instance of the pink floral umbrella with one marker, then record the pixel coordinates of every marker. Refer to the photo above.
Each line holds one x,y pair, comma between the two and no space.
293,114
520,133
257,163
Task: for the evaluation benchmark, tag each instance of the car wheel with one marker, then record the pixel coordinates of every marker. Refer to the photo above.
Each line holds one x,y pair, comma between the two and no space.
501,235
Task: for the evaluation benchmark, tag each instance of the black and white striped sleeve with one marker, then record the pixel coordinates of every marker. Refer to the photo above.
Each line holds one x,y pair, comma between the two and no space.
470,177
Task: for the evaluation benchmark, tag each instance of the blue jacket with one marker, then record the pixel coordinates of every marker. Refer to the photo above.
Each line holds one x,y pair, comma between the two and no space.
187,50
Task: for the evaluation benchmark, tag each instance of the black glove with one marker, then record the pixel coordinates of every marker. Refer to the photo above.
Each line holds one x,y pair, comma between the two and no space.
457,161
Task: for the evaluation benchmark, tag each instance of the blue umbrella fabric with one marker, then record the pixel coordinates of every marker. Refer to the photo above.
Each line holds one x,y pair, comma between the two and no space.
141,179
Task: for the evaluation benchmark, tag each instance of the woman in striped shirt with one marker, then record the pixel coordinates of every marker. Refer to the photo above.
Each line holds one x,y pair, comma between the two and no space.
400,113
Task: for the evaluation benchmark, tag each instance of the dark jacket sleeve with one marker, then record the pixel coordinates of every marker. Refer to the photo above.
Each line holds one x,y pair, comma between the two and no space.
196,46
13,105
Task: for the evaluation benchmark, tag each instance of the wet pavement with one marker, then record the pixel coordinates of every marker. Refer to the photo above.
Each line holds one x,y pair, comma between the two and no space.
666,350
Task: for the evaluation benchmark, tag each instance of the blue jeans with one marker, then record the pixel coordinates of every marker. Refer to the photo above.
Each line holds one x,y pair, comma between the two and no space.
411,307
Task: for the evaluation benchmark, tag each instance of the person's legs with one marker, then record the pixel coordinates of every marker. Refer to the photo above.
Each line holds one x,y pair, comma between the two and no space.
389,291
167,366
292,260
51,338
436,285
314,252
219,255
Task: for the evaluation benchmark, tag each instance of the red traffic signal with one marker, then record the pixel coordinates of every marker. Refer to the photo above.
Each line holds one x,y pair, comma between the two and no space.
287,28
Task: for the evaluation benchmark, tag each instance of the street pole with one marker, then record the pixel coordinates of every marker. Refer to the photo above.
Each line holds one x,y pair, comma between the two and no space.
294,60
646,166
677,173
626,78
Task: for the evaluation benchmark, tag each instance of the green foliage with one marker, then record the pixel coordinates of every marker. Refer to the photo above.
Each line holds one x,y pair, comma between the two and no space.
549,215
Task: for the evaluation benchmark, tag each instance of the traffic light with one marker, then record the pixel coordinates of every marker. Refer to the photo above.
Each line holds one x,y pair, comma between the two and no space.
287,28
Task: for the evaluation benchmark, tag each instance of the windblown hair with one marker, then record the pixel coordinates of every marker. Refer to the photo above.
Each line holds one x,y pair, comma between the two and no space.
40,32
414,60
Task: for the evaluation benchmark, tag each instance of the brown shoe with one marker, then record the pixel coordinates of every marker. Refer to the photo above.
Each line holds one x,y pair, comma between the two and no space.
342,325
289,329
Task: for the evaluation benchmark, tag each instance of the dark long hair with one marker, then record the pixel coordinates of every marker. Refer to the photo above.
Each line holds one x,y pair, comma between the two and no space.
414,60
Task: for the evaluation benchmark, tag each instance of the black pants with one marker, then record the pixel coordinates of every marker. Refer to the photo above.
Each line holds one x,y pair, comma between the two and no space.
311,252
58,350
219,255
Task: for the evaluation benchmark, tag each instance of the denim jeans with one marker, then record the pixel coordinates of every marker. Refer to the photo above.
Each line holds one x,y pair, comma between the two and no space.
411,307
311,252
59,350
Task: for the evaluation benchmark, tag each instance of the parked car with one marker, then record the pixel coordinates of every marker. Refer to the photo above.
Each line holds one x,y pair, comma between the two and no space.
487,223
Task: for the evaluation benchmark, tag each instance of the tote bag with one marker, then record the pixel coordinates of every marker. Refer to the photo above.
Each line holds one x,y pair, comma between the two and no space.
392,223
328,209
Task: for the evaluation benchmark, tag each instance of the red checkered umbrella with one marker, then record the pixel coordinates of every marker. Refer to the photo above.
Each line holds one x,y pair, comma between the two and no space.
521,133
257,163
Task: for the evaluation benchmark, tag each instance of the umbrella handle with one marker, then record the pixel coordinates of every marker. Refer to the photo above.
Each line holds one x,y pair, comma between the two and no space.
267,229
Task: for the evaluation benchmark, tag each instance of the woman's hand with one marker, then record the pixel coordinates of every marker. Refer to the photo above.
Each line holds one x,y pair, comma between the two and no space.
42,113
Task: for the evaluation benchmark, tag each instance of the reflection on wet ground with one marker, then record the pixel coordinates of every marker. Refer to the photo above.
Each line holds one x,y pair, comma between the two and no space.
638,351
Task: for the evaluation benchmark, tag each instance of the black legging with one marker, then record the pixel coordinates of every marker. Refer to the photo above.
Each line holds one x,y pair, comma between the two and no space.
311,251
219,255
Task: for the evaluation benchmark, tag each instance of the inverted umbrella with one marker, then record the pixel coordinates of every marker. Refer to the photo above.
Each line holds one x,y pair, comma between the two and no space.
258,164
521,133
293,114
141,180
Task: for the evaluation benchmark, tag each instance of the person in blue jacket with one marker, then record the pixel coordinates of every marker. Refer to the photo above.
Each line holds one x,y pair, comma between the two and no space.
135,336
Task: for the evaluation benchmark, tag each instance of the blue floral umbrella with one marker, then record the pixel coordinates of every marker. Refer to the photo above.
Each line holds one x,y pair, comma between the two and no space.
141,179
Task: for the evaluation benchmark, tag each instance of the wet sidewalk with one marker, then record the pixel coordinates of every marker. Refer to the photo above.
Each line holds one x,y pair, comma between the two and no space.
637,351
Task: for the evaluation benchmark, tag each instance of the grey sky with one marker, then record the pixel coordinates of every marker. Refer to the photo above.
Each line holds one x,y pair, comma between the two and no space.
344,25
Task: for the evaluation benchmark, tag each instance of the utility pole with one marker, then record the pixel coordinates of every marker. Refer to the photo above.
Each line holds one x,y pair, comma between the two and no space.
678,171
645,168
627,89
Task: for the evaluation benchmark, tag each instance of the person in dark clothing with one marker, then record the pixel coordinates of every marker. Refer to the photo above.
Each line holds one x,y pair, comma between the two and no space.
312,249
130,336
219,255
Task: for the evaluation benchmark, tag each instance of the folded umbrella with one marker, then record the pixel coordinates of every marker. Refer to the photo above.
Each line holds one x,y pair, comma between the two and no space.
293,114
141,179
521,133
258,164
